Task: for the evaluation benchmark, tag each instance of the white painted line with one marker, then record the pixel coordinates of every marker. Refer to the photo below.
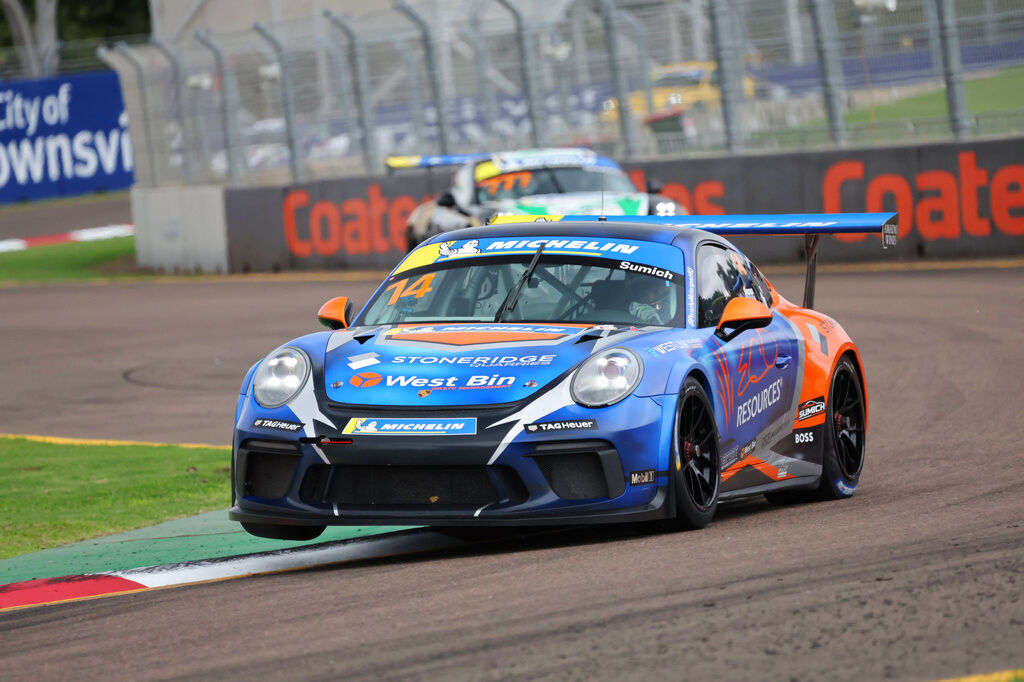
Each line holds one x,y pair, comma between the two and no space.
288,559
92,234
7,245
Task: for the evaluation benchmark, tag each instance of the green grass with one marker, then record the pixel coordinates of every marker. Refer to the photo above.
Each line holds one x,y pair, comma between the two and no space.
53,494
60,262
1003,91
986,98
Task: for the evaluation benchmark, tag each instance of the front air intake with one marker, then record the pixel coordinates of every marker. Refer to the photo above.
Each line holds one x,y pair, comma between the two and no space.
581,470
269,467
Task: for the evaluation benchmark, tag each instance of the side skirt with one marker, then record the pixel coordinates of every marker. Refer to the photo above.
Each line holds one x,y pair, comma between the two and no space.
788,484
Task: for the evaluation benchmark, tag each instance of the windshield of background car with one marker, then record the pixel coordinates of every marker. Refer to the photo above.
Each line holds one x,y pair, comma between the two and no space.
568,285
558,180
685,80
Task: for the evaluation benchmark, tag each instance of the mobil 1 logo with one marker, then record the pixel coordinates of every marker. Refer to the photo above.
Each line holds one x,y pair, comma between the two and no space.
641,477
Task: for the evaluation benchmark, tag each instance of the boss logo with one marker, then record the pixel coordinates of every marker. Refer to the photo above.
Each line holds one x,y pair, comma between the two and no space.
804,437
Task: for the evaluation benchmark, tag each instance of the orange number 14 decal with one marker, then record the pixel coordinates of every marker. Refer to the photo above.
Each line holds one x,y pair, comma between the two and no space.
419,288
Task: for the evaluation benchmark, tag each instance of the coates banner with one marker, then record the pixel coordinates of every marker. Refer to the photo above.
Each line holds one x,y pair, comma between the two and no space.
953,199
63,136
348,222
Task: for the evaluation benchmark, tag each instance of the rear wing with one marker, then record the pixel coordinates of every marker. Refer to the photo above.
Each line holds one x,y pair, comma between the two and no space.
394,163
811,225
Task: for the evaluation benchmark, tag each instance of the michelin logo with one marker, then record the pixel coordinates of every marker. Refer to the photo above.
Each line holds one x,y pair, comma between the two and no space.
368,426
467,249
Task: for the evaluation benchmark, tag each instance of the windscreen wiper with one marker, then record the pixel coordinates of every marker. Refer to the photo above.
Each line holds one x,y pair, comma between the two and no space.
513,295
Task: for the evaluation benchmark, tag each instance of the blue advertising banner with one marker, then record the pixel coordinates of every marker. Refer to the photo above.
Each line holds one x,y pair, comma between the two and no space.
63,136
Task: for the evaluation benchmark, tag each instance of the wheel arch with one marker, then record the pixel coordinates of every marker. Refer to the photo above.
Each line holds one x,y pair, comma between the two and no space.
698,374
850,351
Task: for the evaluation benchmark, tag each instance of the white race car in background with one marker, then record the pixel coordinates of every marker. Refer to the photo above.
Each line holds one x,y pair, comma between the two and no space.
534,181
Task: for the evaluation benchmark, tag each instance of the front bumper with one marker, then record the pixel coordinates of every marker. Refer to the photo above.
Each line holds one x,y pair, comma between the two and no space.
501,475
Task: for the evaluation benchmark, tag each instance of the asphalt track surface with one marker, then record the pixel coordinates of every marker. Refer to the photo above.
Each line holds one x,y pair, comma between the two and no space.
64,215
919,576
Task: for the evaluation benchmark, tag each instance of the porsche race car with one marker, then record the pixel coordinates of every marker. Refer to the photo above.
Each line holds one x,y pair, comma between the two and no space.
531,182
570,370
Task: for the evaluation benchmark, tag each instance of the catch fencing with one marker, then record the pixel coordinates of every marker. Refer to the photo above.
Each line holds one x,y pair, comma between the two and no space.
332,95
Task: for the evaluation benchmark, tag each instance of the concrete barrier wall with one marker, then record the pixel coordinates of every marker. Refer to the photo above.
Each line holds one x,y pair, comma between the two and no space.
180,229
954,200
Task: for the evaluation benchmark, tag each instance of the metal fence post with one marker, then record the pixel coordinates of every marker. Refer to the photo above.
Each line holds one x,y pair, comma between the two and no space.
727,55
793,32
51,56
931,18
417,110
577,20
827,43
608,16
146,128
341,66
179,102
640,42
481,69
697,23
952,71
230,150
287,101
362,87
560,53
526,55
433,74
990,22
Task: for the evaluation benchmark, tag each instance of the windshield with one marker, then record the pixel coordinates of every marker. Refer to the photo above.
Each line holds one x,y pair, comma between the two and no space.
687,79
552,181
562,288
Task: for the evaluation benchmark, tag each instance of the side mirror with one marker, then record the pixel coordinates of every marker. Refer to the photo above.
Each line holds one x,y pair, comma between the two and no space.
654,186
446,200
741,314
336,313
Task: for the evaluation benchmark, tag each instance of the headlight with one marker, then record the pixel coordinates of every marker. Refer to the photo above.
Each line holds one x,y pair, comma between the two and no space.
281,375
607,378
665,207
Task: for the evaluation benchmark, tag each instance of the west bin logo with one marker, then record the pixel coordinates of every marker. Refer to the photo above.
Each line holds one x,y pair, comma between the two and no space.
365,379
368,379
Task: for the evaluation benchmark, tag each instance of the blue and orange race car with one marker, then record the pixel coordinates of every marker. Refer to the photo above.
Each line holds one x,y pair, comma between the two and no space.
562,371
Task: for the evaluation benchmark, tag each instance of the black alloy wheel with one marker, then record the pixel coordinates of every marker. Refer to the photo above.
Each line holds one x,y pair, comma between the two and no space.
696,471
845,431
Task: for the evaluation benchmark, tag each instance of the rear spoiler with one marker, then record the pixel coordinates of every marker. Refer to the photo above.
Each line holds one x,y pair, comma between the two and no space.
811,225
394,163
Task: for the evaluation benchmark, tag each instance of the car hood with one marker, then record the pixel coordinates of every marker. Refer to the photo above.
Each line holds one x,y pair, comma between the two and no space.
578,203
438,365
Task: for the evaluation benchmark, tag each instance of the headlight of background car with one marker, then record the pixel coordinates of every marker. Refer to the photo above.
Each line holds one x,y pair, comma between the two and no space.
607,378
281,375
663,206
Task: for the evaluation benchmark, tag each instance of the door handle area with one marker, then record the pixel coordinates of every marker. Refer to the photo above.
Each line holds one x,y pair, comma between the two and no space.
782,361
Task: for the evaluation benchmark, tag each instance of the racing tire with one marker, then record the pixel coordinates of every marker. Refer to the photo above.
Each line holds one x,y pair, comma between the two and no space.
276,532
695,468
843,453
844,432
